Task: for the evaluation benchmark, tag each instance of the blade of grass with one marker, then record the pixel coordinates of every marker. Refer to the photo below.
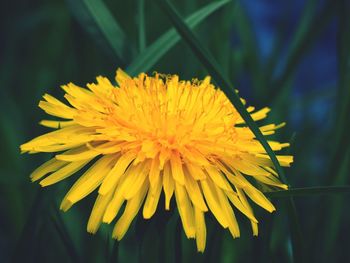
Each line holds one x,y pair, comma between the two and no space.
342,139
115,252
178,243
335,212
304,38
339,168
108,248
246,35
64,235
26,242
225,17
275,57
145,60
210,64
11,130
141,21
310,191
95,18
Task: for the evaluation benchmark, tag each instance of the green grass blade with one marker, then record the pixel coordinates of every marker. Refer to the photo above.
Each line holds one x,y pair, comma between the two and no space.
303,40
26,245
310,191
95,18
341,138
64,235
334,211
154,52
245,33
115,251
210,64
339,168
178,243
141,21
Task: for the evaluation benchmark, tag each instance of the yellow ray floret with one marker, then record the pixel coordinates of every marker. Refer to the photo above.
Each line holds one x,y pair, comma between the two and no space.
154,134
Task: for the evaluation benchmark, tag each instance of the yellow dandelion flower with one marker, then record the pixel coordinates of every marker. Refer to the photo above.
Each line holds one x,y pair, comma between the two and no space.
157,133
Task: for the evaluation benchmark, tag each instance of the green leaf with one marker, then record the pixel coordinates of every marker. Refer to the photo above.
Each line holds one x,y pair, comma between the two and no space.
97,20
210,64
310,191
144,61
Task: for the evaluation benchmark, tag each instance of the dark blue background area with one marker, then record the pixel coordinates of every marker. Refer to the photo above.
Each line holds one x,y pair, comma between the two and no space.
317,72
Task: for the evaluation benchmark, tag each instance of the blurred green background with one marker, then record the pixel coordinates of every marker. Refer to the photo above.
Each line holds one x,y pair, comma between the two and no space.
292,56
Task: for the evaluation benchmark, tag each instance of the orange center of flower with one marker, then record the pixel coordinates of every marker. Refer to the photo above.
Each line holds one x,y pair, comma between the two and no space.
171,118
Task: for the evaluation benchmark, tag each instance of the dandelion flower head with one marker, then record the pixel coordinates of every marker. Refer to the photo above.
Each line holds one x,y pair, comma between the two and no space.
157,134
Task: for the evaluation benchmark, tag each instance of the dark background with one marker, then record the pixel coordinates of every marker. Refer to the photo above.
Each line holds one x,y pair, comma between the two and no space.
292,56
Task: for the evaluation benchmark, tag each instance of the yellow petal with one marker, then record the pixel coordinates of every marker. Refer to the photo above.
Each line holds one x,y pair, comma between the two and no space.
131,209
152,199
196,171
135,179
176,168
243,207
218,178
249,169
195,156
230,216
259,198
185,210
104,88
63,173
88,154
56,124
276,146
60,138
213,202
106,148
56,108
163,157
201,230
233,178
168,185
254,228
154,173
121,77
258,115
113,206
55,147
245,202
194,192
89,181
116,172
97,212
271,180
48,167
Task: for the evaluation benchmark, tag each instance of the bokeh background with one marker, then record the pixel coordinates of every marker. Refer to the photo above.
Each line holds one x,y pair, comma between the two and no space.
292,56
